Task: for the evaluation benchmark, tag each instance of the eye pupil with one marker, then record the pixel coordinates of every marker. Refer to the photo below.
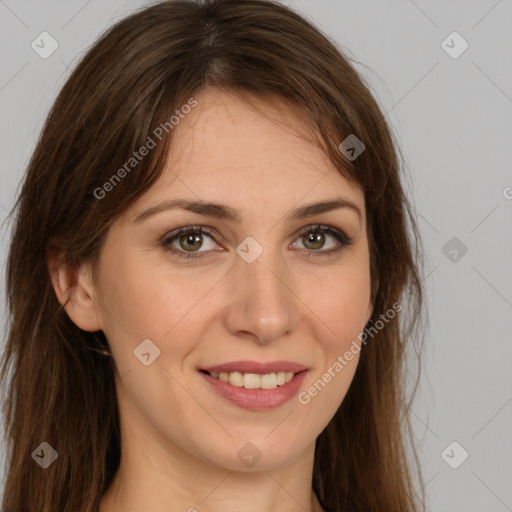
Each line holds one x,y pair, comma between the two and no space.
192,239
316,238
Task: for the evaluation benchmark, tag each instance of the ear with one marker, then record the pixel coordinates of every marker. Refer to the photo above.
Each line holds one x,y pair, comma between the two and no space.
74,289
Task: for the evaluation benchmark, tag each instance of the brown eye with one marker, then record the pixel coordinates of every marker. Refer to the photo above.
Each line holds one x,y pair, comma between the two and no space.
313,240
191,242
187,242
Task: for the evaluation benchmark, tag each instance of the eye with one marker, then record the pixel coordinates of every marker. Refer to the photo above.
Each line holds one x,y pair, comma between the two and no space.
187,241
314,240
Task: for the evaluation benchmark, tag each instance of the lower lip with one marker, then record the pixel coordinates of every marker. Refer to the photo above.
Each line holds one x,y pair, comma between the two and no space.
257,399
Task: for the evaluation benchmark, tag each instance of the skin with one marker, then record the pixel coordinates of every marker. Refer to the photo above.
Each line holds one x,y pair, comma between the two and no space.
179,438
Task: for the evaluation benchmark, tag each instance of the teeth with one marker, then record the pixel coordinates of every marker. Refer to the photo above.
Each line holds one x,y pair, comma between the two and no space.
254,380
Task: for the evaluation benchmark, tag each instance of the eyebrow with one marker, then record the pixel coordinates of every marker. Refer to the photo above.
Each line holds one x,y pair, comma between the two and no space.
223,212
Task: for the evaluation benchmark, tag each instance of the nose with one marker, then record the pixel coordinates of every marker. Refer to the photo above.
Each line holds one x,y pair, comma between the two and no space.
262,302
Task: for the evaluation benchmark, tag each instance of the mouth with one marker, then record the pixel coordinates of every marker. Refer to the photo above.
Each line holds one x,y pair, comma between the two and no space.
253,380
255,385
255,375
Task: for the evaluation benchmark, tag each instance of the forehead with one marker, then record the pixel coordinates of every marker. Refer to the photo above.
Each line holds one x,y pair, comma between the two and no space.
235,127
238,149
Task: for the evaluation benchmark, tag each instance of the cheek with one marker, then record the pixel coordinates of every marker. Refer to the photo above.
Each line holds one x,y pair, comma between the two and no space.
168,304
340,315
153,302
346,315
346,312
341,305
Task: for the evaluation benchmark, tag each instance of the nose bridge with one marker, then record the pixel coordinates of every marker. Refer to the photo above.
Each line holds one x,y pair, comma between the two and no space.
263,303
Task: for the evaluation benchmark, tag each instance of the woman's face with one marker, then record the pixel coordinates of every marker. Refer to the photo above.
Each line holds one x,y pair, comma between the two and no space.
245,293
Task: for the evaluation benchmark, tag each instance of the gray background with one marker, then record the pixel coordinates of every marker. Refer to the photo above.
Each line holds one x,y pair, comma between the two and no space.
453,120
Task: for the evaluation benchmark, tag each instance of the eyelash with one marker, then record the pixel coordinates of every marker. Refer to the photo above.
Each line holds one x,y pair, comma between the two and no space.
343,239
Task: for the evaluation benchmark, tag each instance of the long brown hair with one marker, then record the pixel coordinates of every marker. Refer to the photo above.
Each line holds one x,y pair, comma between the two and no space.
61,390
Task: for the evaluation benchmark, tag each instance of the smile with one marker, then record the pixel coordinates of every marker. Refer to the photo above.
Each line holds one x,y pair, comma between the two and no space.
255,385
253,380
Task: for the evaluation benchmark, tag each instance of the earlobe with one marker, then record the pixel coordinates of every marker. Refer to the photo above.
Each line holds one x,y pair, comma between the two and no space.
74,290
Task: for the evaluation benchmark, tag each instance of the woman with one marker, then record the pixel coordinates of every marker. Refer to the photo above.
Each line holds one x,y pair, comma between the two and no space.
210,282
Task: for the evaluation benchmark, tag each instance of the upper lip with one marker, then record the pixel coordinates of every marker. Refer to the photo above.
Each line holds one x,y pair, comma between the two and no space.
256,367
